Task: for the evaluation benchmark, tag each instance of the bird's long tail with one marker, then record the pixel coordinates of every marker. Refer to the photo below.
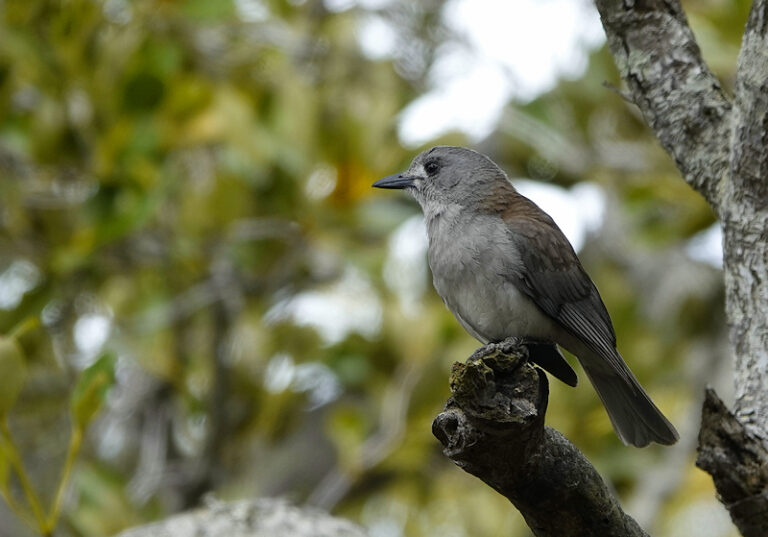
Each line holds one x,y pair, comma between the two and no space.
634,416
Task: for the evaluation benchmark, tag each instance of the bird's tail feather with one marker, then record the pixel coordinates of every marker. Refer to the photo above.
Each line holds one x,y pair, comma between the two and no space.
634,416
548,357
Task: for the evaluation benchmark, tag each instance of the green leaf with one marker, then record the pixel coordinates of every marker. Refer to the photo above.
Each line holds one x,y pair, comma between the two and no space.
5,467
13,372
91,389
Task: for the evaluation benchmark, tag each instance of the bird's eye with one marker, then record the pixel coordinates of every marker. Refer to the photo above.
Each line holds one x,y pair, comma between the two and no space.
431,167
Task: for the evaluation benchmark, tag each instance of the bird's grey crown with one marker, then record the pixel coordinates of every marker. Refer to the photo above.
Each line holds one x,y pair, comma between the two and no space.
463,176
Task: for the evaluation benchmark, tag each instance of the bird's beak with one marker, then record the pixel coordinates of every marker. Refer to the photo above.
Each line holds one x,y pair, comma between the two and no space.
398,180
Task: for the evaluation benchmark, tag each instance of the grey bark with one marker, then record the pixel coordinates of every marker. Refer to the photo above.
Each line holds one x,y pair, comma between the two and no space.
738,463
719,145
493,427
251,518
745,224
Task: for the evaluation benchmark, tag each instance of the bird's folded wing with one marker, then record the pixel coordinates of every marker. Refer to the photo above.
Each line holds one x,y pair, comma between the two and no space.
553,278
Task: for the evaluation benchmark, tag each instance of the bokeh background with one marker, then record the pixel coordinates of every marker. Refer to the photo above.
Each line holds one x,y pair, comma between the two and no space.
185,202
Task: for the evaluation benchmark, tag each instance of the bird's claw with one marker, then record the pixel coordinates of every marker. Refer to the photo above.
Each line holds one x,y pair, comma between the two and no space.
481,353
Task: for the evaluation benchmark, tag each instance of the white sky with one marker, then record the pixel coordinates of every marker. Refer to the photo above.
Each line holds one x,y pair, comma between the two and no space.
511,49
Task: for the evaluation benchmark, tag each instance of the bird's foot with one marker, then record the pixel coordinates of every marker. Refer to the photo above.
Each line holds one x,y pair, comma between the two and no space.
504,346
482,352
510,343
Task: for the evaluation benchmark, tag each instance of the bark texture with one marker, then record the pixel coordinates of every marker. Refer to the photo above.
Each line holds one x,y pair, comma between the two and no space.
745,224
493,427
719,145
738,463
251,518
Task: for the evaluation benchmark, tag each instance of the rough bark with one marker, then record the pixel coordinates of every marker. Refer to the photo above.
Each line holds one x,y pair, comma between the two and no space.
720,148
251,518
745,226
738,463
493,427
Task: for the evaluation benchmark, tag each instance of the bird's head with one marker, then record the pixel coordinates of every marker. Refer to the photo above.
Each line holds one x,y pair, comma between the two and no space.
447,175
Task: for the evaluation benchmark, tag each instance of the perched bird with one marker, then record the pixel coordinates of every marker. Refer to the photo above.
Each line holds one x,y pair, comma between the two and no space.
505,270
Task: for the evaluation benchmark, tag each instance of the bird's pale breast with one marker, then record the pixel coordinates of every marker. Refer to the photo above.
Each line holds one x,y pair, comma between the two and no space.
469,258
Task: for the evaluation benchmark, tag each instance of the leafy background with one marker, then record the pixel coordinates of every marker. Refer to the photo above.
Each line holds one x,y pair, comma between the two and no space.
186,215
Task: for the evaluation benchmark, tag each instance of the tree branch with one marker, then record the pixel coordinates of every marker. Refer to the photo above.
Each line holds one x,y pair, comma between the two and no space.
493,427
749,160
745,226
738,463
679,97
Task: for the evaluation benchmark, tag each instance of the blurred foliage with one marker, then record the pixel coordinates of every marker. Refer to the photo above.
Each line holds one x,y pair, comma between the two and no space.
86,399
184,186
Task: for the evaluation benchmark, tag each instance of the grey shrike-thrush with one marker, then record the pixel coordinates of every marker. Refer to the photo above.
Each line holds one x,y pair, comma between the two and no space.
505,270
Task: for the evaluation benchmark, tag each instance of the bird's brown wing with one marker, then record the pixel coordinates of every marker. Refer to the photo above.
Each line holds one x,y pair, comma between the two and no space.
553,278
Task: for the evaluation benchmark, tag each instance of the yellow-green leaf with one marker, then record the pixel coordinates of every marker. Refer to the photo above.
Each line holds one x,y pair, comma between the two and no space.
13,372
91,389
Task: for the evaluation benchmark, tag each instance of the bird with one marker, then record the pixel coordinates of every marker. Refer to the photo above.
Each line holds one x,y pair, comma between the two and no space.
506,271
